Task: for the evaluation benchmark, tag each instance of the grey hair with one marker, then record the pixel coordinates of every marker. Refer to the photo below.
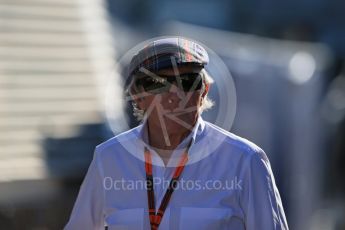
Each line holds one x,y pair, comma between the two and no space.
207,103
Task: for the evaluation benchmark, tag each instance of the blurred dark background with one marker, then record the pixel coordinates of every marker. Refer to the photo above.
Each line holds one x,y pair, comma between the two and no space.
287,59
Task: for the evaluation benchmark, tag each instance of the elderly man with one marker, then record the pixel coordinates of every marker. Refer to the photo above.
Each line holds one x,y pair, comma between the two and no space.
175,170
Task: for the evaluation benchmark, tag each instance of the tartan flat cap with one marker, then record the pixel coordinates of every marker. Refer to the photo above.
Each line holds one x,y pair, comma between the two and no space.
162,53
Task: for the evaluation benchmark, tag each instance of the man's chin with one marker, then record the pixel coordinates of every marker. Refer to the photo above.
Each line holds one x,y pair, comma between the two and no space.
177,127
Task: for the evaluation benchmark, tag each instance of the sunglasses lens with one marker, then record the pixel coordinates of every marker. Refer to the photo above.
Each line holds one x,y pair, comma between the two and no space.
189,82
150,85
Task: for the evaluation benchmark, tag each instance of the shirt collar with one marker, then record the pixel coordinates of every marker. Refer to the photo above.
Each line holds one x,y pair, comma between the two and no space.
193,136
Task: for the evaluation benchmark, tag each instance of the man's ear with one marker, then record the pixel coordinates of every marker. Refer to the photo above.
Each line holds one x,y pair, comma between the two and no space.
207,87
137,100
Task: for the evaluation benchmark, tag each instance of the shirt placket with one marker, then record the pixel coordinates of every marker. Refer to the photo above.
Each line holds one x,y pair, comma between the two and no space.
164,175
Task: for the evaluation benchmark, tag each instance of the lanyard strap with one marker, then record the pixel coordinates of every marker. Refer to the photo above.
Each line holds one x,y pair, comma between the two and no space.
155,218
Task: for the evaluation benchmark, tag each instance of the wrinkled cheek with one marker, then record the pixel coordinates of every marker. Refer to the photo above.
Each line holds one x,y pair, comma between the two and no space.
193,105
151,100
194,101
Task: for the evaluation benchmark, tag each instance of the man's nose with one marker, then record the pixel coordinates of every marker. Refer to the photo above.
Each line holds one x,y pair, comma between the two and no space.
174,89
172,98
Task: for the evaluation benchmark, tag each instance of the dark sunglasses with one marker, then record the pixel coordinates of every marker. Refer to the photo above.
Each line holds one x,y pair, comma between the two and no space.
189,82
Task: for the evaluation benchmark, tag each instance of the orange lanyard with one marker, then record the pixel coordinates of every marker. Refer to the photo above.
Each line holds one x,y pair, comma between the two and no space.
156,217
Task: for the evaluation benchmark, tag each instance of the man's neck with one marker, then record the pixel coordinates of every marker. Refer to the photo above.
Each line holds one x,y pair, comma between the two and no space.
165,144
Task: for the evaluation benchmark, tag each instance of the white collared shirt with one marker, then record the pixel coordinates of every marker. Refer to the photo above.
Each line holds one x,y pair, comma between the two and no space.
227,184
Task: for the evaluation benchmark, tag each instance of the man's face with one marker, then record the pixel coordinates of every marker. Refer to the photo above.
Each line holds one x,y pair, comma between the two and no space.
174,107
